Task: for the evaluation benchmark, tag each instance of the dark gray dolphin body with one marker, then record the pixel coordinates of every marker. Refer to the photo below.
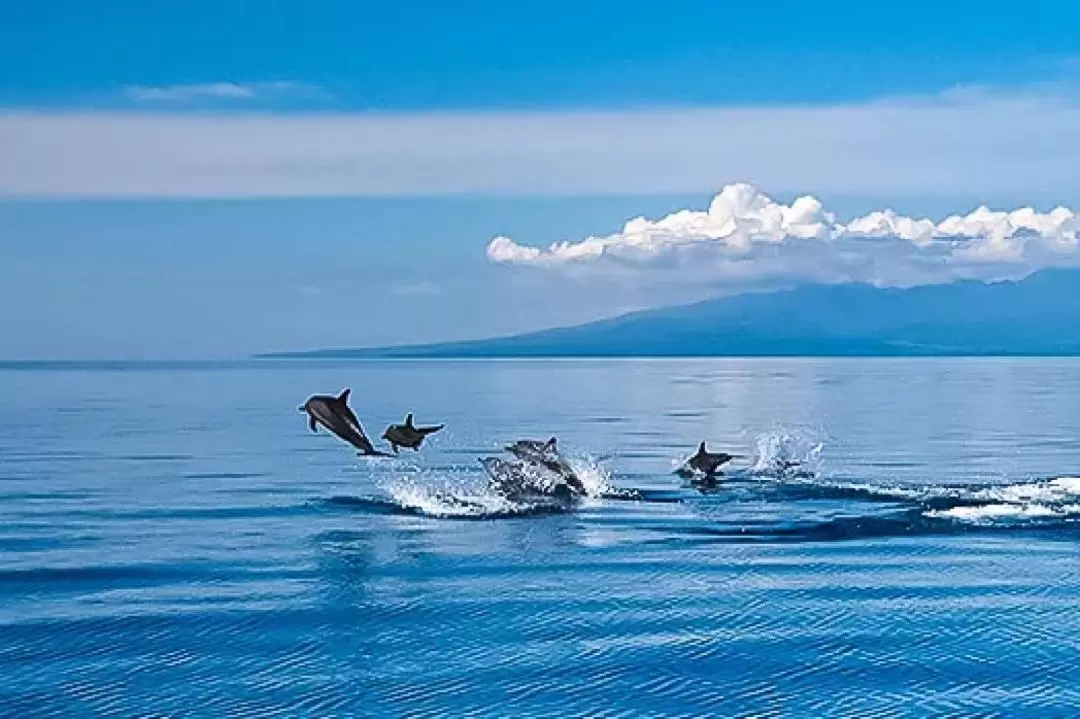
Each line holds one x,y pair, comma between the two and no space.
517,480
704,463
407,435
334,414
546,454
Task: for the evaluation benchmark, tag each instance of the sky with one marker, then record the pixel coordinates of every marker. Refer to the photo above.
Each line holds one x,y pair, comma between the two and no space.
214,179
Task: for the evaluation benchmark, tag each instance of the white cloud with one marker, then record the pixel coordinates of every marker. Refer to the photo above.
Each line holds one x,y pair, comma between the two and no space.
211,91
745,236
959,145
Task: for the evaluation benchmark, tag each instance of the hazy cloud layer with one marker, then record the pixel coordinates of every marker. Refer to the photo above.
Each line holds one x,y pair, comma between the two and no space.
182,94
746,237
961,144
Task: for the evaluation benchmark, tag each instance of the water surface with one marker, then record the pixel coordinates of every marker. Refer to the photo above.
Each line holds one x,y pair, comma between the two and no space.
174,542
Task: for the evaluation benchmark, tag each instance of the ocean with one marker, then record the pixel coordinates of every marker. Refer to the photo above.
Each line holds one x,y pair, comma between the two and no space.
175,542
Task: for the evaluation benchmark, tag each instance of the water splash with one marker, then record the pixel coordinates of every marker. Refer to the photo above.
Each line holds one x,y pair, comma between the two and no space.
784,452
460,494
594,475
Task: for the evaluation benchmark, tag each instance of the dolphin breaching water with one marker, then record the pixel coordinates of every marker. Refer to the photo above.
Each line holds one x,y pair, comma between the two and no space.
704,463
537,470
517,480
335,415
546,455
408,435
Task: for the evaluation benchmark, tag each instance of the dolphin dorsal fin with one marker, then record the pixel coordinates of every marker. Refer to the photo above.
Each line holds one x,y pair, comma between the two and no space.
701,449
550,446
344,396
408,420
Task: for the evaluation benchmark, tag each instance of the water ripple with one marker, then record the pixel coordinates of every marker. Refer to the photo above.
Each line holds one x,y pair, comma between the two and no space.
174,543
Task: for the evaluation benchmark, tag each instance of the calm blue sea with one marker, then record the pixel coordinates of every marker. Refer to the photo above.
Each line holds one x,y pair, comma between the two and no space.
174,542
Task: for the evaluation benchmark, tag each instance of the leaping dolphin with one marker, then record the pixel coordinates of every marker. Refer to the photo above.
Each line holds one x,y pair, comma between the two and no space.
546,454
704,463
407,435
516,479
334,414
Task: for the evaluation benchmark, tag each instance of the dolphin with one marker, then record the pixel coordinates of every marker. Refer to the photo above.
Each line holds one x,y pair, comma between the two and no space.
533,447
334,414
704,463
516,479
407,435
546,454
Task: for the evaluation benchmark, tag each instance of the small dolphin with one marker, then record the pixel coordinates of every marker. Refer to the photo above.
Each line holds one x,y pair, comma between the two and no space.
516,479
406,435
546,454
334,414
704,463
533,447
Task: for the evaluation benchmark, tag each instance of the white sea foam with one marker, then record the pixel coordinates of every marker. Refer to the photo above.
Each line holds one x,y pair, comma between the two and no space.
1055,499
432,502
594,475
781,452
464,493
1005,513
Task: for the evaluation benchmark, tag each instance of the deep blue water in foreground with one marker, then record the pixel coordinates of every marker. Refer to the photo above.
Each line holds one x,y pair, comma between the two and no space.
175,543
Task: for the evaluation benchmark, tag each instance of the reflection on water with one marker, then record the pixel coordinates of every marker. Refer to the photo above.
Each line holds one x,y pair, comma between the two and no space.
174,542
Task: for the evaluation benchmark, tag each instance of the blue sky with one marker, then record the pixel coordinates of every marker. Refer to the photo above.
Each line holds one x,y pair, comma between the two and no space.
412,55
215,178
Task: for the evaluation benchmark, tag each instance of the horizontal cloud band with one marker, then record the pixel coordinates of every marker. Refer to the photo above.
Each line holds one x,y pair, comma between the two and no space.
744,227
955,146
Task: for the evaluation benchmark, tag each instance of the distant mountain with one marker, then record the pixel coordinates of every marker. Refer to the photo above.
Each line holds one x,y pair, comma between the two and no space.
1039,315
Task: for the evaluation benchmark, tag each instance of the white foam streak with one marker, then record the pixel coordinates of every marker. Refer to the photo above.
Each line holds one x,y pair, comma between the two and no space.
1057,499
1001,513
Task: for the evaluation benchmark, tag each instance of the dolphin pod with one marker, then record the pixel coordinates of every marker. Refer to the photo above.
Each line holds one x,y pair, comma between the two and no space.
537,466
334,414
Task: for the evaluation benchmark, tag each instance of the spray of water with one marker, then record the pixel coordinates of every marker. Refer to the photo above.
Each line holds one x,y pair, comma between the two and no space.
786,452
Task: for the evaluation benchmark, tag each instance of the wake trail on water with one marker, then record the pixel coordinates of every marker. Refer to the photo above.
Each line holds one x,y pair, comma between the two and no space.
783,474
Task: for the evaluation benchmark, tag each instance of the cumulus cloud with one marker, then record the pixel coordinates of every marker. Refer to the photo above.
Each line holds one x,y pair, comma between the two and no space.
955,146
745,236
211,91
